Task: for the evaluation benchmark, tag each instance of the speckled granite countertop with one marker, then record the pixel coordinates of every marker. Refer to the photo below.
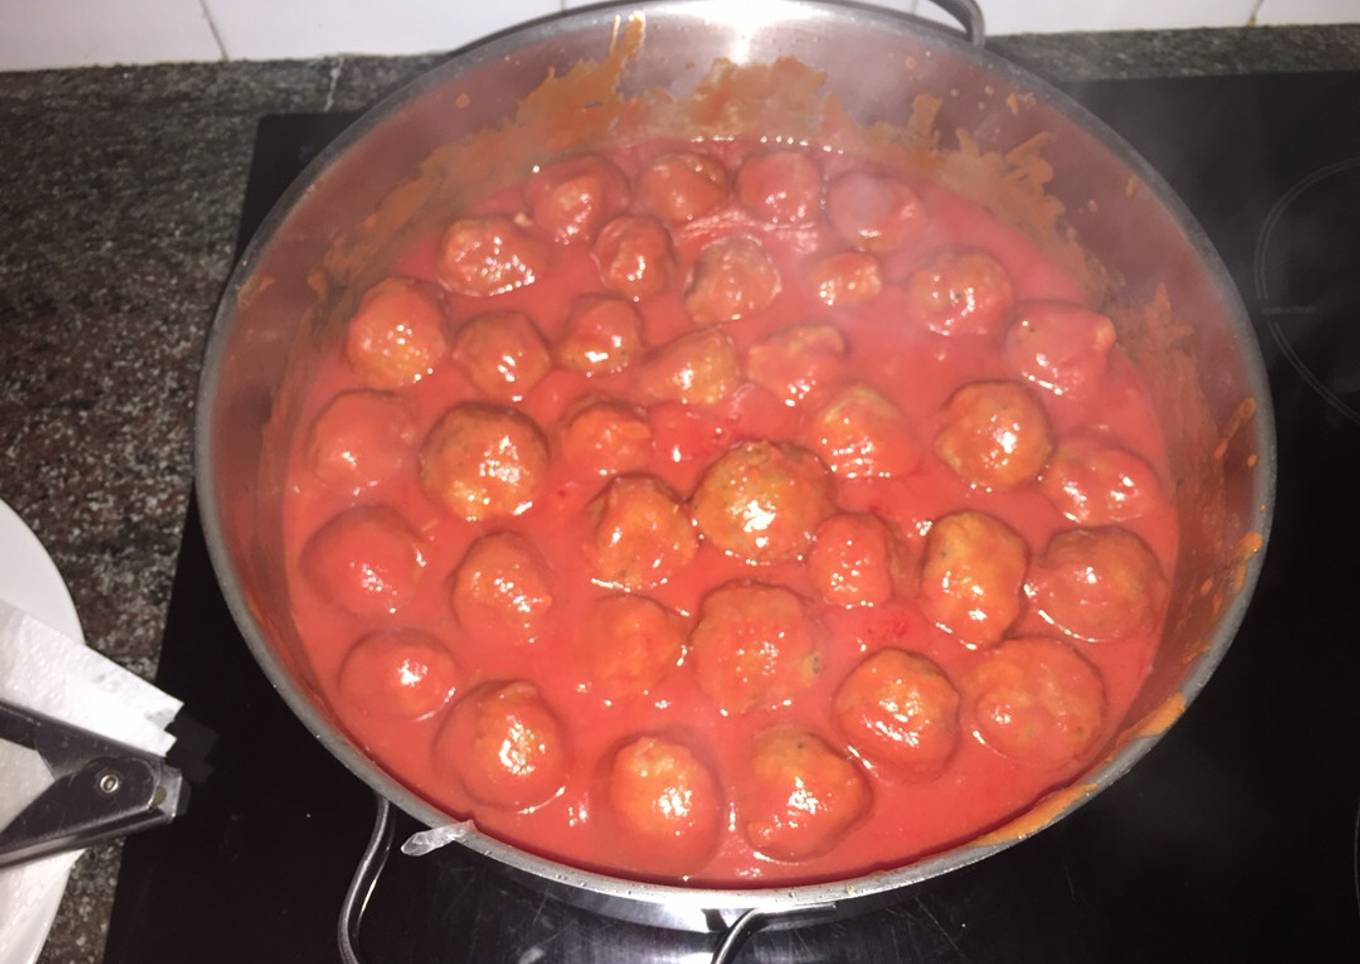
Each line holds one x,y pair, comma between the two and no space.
119,196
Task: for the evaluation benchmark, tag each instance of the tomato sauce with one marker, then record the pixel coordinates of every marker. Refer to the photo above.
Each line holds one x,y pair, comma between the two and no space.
902,816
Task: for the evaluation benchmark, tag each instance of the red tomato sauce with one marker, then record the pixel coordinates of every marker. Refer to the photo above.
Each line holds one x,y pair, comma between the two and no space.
903,816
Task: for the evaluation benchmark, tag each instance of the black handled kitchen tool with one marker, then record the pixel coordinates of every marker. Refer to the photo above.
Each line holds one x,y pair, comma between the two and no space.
102,789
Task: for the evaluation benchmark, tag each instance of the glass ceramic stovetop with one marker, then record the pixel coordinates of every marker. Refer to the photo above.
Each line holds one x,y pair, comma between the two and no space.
1235,839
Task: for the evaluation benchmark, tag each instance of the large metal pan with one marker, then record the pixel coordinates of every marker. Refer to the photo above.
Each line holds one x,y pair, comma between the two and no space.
1190,335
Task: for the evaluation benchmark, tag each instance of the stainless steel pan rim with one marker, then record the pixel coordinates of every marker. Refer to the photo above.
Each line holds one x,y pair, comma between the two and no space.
605,888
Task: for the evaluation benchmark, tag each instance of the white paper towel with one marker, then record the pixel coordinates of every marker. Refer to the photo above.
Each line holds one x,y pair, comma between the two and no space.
43,670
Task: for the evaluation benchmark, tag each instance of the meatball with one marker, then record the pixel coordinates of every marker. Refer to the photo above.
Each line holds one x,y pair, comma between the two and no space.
572,199
802,796
506,746
1037,701
404,673
1095,484
483,462
641,535
972,575
501,590
733,277
899,711
959,294
1059,346
684,186
873,213
762,501
860,435
635,257
794,362
489,256
1098,584
753,647
603,336
360,439
855,560
781,187
631,643
995,435
503,354
848,278
607,439
698,369
666,804
396,336
365,560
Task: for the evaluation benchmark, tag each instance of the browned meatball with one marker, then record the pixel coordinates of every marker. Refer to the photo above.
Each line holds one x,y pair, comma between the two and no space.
873,213
631,644
366,560
361,439
1098,583
795,362
899,711
501,590
960,294
1060,346
642,534
860,434
971,576
855,560
733,277
684,186
995,435
1093,483
754,646
667,805
801,796
503,354
396,336
483,462
1037,701
573,198
781,187
402,673
635,257
608,439
848,278
762,501
489,256
603,336
698,369
505,745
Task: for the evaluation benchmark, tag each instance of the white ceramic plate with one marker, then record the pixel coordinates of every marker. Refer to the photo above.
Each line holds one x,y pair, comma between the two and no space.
29,580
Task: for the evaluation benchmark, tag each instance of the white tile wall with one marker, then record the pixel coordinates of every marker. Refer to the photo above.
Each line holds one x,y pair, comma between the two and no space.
66,33
267,29
74,33
1308,11
1054,16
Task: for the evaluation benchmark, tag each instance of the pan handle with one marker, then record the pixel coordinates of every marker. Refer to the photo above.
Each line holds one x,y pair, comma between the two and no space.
374,858
969,16
736,936
365,878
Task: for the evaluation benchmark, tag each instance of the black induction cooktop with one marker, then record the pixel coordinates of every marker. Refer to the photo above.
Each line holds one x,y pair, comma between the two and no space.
1235,839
